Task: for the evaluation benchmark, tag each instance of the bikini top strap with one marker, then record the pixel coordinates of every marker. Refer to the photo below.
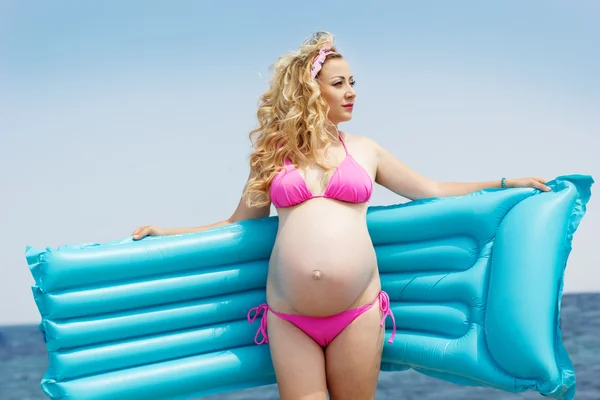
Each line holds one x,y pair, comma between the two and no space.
343,143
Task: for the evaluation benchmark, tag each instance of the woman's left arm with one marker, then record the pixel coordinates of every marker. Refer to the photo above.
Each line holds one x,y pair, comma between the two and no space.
400,179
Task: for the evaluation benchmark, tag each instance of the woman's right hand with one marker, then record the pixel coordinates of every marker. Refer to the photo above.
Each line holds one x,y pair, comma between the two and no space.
147,230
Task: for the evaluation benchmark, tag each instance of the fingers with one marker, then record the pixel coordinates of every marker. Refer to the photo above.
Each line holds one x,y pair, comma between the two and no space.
141,232
540,183
136,233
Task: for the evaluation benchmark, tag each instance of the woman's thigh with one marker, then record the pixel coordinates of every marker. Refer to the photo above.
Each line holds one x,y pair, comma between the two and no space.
299,362
353,358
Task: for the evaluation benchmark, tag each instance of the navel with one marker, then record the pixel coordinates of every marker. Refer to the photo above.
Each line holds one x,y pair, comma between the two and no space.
316,274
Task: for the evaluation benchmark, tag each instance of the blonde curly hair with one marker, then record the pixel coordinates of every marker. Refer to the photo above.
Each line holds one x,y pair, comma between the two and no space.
292,118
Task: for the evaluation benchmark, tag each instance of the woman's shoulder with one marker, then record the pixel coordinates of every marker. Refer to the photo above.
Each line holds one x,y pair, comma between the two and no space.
361,142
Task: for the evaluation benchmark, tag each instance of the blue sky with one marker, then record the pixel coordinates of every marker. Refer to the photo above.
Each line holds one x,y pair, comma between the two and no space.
115,114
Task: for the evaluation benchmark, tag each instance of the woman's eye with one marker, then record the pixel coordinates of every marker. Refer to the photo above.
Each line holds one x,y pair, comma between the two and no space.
341,83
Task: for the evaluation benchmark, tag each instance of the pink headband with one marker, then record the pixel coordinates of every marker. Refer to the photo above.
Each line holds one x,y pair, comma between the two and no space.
319,60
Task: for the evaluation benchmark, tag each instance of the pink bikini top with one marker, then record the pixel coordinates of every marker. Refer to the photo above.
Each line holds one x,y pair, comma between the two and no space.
349,183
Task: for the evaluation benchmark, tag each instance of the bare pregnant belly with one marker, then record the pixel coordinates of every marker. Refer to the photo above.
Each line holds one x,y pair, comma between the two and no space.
323,261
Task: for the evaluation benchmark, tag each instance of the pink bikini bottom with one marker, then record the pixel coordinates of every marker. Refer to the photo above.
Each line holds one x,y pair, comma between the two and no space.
322,329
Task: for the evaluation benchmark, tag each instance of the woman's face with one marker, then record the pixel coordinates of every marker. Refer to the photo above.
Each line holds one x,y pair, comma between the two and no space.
337,88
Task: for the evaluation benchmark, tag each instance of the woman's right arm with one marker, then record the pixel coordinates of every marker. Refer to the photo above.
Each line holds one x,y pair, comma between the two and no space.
241,213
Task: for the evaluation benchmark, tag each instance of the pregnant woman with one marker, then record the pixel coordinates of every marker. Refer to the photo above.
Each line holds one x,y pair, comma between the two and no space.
325,311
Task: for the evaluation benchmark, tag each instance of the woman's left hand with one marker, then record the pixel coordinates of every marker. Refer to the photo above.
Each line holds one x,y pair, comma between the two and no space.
537,183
